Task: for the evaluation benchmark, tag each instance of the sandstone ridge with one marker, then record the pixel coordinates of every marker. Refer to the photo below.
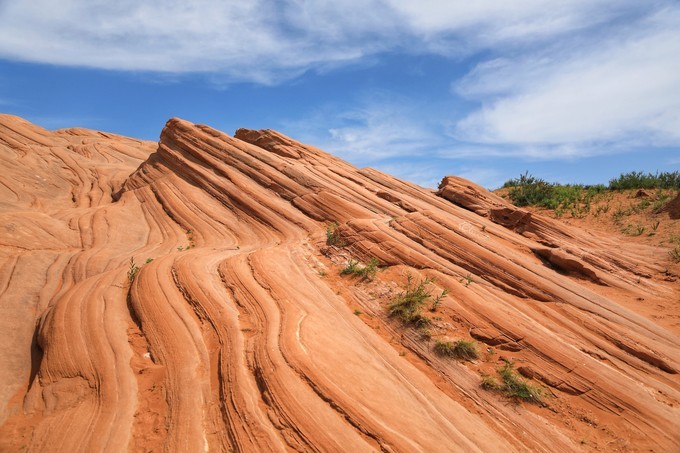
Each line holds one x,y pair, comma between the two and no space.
238,333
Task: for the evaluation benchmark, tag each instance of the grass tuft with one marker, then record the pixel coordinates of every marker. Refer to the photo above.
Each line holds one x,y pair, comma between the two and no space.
333,235
409,304
133,270
528,190
460,349
512,385
640,180
490,383
366,272
675,254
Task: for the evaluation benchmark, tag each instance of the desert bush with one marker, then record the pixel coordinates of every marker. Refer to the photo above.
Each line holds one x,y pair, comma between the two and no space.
133,269
333,235
352,267
490,383
438,299
675,254
460,349
640,180
530,191
408,305
512,385
366,272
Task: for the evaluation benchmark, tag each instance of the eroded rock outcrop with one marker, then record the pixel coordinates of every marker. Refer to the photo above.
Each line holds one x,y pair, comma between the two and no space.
237,333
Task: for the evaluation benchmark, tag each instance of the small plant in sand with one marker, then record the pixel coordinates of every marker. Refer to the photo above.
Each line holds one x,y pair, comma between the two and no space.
660,200
490,383
366,272
437,300
333,235
675,254
352,267
408,305
460,349
467,280
512,385
133,269
191,239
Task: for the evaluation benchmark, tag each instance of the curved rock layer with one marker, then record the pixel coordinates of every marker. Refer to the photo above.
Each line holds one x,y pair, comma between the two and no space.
237,333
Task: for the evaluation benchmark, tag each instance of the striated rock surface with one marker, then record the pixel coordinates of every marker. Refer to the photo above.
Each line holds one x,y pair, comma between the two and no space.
238,333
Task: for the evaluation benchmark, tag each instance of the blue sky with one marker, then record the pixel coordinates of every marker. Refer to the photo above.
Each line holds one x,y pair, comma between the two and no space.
572,91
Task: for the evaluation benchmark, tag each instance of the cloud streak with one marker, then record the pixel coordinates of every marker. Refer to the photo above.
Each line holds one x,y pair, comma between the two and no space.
618,92
376,126
550,79
267,41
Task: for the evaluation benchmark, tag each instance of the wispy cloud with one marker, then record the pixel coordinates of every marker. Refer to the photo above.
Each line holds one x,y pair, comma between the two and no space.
376,126
270,40
420,172
558,80
619,91
498,23
397,135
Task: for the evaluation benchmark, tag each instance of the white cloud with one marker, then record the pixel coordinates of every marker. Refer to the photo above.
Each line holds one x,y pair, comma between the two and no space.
377,126
563,79
270,40
491,22
621,91
244,40
420,172
429,174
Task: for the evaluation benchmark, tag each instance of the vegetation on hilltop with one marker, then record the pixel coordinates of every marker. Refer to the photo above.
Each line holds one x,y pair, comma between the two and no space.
527,190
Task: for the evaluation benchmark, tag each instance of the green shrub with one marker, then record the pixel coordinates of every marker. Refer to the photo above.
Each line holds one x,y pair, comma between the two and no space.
490,383
530,191
408,305
675,254
369,270
366,272
661,199
352,267
640,180
133,269
460,349
512,385
438,299
467,280
333,235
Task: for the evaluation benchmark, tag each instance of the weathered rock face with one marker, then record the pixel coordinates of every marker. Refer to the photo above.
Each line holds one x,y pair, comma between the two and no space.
238,333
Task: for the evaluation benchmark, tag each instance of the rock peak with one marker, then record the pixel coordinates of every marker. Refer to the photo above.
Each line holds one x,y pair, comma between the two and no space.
239,293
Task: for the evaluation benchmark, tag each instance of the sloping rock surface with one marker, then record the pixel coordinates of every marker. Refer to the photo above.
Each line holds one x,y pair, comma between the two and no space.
238,334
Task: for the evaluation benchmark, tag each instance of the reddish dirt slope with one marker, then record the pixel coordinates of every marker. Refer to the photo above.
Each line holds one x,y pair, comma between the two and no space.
239,333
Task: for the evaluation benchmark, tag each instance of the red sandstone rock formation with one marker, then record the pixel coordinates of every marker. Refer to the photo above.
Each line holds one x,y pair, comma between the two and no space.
239,333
